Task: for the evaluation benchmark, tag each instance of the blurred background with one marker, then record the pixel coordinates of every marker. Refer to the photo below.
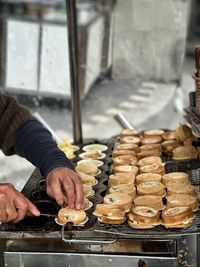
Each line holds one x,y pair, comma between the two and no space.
136,57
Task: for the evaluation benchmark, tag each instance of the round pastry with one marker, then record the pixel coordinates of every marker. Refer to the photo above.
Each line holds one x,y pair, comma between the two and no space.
142,217
148,153
154,168
87,190
180,189
152,201
121,178
182,200
183,132
109,211
87,179
87,204
169,135
169,145
177,217
148,177
130,140
151,188
149,160
120,200
175,178
125,160
87,167
126,169
153,132
120,152
151,140
188,142
124,188
107,220
151,147
133,147
66,215
184,152
129,132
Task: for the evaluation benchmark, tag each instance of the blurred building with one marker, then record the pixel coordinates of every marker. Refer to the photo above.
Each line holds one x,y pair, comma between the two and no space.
133,39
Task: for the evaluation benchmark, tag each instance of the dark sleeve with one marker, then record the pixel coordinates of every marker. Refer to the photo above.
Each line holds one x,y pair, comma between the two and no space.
12,116
34,142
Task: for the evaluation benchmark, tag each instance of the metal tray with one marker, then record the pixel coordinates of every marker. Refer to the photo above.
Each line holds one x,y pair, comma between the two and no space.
93,228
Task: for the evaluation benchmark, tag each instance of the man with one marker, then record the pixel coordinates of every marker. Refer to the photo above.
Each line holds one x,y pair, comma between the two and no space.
22,134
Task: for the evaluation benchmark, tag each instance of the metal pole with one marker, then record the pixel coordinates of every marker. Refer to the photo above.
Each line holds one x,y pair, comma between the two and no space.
74,66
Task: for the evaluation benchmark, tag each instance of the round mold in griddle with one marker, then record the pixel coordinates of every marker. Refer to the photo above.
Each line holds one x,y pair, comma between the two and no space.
92,155
94,147
97,162
32,222
40,194
44,206
42,183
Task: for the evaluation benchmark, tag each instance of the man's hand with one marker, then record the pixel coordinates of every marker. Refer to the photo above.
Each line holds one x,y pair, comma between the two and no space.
13,205
65,186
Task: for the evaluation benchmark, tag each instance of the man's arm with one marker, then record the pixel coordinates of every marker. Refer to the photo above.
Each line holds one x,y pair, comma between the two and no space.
35,143
20,133
12,116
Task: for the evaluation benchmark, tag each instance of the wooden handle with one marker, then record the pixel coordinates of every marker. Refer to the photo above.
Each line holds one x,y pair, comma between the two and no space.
197,58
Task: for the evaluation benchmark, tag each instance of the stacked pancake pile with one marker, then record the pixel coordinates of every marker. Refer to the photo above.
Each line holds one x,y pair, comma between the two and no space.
139,191
139,187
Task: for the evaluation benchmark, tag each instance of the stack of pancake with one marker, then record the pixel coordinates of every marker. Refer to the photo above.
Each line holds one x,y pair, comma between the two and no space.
138,173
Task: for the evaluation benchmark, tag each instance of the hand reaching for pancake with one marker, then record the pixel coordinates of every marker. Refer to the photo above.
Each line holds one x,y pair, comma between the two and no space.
13,205
65,186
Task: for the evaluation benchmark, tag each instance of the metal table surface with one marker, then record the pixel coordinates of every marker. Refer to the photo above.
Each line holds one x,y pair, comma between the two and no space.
74,260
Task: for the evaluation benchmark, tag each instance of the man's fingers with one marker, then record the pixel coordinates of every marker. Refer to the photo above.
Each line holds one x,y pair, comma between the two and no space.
33,209
7,208
11,211
68,187
54,189
79,193
21,213
24,206
3,214
49,191
74,189
14,205
65,186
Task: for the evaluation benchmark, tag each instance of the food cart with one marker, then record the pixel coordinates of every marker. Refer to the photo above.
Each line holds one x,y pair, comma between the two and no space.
39,241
